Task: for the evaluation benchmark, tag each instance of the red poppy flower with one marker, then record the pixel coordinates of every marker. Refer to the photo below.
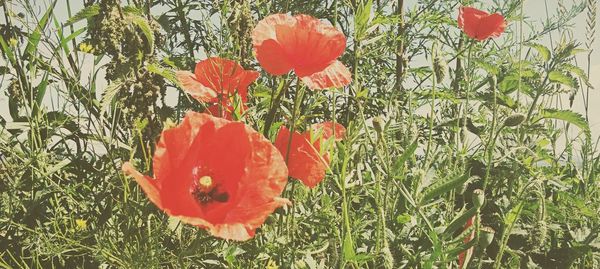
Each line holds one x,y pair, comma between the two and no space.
479,24
304,44
308,155
216,174
226,109
216,78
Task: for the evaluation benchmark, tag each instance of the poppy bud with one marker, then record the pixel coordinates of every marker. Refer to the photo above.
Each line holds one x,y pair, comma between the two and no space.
486,237
514,120
378,124
478,198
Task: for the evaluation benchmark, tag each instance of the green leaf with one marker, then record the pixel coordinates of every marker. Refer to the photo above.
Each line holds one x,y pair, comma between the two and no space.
142,23
85,13
34,37
577,71
164,72
68,39
459,221
40,93
7,51
559,77
4,70
109,94
409,152
442,186
568,116
348,249
542,50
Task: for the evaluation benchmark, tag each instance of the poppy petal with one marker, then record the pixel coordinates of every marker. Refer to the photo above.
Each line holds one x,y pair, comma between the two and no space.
224,77
491,26
272,58
265,29
303,160
311,45
146,183
244,80
479,24
247,171
334,76
194,87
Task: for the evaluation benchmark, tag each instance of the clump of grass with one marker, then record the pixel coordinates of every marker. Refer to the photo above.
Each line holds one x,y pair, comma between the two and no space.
441,130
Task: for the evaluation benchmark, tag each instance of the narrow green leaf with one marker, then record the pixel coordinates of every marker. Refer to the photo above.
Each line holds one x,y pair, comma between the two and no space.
348,249
34,37
459,221
75,34
442,186
408,152
568,116
109,94
577,71
7,51
559,77
142,23
85,13
542,50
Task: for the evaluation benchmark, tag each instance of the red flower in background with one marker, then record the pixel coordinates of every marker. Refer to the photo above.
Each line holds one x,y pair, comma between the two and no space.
308,158
215,80
304,44
479,24
216,174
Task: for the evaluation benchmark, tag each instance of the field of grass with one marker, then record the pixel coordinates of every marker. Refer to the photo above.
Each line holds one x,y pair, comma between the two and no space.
457,152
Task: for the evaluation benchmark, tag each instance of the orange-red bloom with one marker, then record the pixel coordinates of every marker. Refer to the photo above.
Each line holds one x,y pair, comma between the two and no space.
216,174
215,80
308,155
479,24
304,44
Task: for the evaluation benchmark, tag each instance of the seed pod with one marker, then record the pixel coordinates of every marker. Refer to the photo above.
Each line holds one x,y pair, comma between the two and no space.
486,236
478,198
514,120
440,68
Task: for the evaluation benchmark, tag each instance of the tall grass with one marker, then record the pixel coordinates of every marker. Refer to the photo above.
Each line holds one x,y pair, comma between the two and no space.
441,129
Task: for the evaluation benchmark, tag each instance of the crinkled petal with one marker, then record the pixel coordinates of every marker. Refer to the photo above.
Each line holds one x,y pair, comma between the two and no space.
146,183
224,76
265,29
303,159
491,26
273,58
310,45
334,76
479,24
194,87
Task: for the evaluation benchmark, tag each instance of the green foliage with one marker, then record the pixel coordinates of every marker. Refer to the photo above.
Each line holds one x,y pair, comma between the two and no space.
476,137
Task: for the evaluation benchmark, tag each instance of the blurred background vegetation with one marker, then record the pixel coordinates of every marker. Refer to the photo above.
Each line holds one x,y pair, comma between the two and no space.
431,117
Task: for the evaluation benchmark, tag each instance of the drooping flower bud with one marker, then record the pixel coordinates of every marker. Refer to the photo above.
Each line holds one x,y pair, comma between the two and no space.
478,198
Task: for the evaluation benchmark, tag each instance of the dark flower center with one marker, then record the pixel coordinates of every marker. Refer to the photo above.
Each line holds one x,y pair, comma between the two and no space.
207,191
